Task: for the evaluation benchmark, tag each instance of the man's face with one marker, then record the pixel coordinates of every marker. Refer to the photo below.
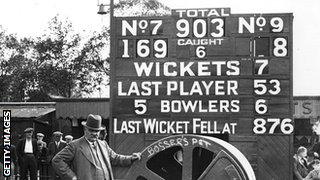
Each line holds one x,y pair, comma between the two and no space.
91,135
39,138
57,138
68,140
303,154
29,134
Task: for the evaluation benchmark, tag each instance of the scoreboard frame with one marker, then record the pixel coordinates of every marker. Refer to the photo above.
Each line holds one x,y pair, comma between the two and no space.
243,142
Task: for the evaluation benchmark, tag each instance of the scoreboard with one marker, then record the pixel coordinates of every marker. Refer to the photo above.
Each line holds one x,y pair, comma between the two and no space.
210,72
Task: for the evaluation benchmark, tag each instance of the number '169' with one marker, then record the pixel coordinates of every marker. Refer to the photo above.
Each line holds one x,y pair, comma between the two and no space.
144,48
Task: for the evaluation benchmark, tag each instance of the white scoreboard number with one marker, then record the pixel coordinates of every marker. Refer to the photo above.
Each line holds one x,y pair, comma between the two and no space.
144,47
280,47
199,28
276,23
260,124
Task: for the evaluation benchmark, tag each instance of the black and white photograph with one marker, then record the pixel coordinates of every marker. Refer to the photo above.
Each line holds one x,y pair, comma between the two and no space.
160,90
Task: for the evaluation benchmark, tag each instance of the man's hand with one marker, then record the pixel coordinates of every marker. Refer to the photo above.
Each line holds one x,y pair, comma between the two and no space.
135,156
74,178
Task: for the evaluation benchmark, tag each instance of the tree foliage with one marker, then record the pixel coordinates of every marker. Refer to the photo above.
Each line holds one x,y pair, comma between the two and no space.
61,62
140,8
16,68
58,63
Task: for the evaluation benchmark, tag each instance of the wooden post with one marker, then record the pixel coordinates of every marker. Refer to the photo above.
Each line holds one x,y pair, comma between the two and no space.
112,59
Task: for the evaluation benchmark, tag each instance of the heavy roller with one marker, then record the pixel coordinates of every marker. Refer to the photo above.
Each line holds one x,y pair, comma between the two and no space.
191,157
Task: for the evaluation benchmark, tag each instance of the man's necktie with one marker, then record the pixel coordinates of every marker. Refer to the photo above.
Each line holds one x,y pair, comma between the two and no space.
99,160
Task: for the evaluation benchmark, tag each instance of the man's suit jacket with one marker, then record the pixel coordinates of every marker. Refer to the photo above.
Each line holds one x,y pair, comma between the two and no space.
20,148
300,171
53,149
77,160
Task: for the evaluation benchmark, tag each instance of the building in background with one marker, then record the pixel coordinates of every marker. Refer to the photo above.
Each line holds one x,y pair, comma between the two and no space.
62,114
38,115
71,112
306,114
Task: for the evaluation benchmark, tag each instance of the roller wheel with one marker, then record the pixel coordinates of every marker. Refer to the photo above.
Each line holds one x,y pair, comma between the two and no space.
191,157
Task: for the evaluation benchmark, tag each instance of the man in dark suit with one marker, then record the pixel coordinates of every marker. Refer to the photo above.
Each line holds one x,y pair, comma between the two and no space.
56,145
42,159
53,148
89,158
40,137
27,153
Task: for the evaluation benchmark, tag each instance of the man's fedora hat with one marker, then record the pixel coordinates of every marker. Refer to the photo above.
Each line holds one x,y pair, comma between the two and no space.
93,122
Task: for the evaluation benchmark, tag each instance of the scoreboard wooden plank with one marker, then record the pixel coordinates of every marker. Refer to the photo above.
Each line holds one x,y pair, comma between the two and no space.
206,71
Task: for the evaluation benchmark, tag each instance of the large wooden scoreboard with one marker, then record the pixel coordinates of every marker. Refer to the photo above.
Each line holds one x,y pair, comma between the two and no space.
208,72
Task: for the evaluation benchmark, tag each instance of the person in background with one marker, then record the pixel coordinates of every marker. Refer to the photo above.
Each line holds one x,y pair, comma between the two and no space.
53,148
89,158
316,146
27,155
40,137
315,173
68,138
42,158
300,169
311,156
56,145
